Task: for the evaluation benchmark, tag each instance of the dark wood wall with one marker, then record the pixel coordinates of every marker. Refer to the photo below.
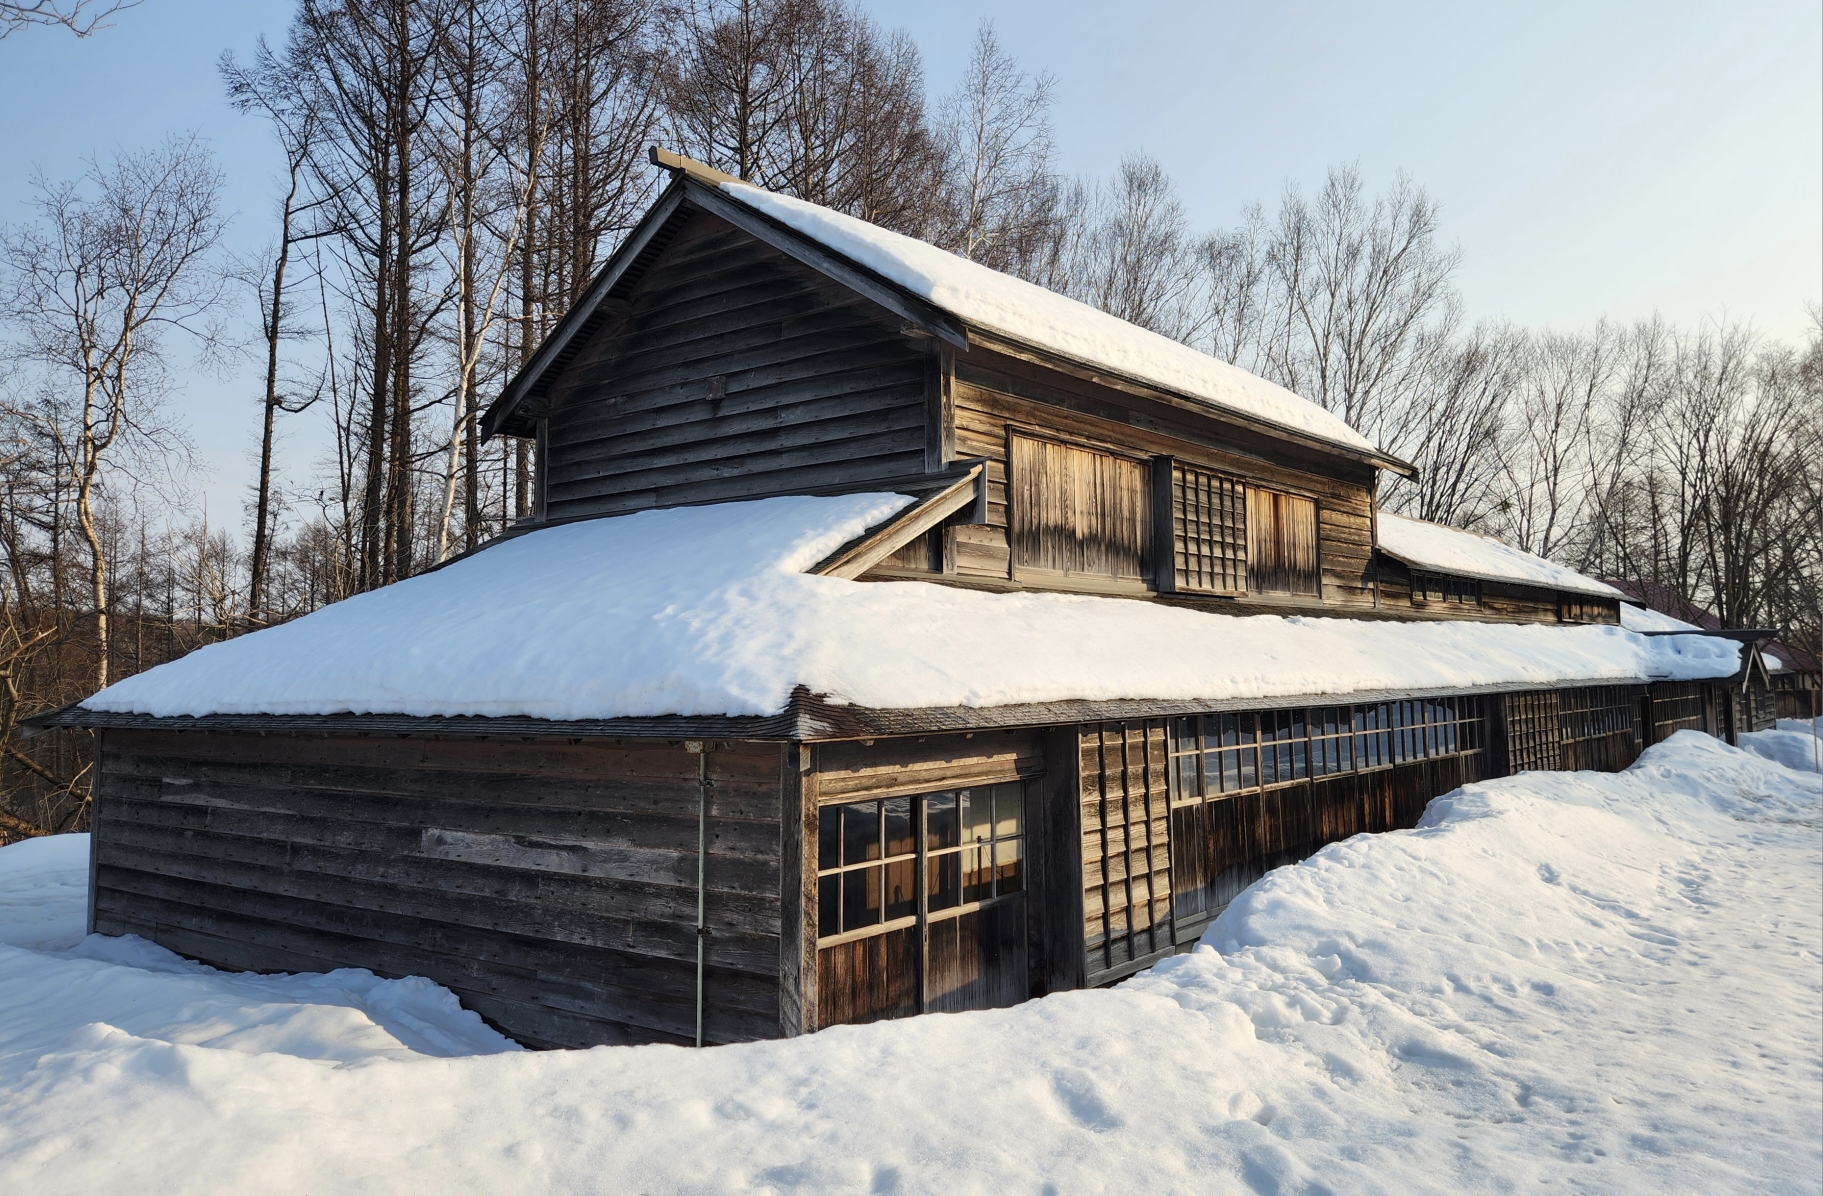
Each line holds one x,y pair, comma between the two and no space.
992,394
1500,602
550,884
734,372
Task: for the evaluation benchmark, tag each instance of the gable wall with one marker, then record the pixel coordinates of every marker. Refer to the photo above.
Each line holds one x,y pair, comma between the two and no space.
735,373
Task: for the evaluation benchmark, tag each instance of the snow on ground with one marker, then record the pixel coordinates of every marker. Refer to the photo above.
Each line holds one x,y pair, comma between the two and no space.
1560,982
1470,554
708,610
1018,309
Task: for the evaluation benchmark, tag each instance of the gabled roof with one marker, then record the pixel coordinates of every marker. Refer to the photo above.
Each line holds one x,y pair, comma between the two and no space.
1442,549
714,611
953,299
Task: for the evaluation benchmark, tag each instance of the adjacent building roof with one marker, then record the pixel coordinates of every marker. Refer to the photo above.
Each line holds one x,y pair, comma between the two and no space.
1661,602
1434,546
710,610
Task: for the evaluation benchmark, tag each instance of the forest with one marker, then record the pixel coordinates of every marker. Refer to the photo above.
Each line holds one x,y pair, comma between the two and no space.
455,171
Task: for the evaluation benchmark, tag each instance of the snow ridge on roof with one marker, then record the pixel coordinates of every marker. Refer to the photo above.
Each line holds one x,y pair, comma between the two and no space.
1470,554
1025,312
708,611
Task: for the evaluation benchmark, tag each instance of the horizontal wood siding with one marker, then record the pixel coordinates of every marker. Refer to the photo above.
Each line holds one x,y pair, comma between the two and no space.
550,885
735,372
992,393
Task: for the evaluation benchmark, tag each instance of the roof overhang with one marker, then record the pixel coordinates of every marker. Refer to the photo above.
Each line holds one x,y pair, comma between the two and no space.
1509,580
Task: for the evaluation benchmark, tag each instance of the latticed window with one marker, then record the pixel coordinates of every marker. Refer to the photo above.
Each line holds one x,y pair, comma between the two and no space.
1442,588
1208,531
1282,553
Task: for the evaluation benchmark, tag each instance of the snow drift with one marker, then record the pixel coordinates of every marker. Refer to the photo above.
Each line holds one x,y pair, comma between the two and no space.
1592,982
708,610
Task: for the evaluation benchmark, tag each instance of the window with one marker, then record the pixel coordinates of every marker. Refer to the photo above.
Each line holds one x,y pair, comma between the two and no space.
881,863
1079,512
1208,531
1443,589
1281,543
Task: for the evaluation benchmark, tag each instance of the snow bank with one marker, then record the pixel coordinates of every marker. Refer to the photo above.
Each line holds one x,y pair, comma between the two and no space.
1591,982
1470,554
1795,743
1012,307
706,610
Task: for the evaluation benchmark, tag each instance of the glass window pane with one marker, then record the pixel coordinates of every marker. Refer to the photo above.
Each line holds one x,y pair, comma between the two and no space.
829,905
944,878
861,898
977,873
1250,773
977,815
829,837
901,888
1009,866
940,821
860,832
1009,809
897,813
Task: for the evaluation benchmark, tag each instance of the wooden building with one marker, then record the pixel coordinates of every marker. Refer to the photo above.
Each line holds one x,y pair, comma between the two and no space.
729,877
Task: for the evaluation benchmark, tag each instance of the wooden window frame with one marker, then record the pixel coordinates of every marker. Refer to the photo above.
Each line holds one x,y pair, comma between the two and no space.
1070,579
1254,566
1451,589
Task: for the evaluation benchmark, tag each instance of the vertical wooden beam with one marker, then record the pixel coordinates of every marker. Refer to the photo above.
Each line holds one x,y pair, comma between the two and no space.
939,408
1061,793
797,890
541,469
97,783
1164,527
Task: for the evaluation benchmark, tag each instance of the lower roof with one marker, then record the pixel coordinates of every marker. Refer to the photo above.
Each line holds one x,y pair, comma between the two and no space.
709,613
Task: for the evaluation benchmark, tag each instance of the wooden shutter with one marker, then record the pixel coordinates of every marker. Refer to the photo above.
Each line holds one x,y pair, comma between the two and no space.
1079,512
1207,532
1281,543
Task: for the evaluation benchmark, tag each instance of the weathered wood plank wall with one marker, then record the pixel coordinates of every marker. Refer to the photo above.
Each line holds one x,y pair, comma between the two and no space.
735,372
550,884
993,395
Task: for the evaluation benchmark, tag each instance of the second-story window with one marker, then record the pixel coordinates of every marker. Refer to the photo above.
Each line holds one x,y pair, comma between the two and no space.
1282,555
1208,531
1079,512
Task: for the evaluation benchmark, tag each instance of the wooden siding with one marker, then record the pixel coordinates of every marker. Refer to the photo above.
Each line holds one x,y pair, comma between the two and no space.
550,885
992,395
734,372
1500,602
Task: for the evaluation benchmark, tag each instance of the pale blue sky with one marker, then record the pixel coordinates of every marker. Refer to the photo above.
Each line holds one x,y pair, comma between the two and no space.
1592,159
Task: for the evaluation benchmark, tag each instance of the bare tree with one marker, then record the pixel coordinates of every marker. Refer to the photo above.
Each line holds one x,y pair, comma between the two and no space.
265,87
1134,259
117,259
81,17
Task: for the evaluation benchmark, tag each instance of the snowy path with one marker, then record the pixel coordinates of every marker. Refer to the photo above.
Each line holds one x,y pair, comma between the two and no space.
1561,982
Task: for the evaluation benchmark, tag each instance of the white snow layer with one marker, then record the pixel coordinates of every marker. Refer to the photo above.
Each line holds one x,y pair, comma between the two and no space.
1793,742
1470,554
1644,618
1025,312
707,610
1575,982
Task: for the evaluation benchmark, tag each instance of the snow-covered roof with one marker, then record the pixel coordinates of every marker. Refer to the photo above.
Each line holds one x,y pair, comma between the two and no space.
709,611
1644,618
1021,311
1471,554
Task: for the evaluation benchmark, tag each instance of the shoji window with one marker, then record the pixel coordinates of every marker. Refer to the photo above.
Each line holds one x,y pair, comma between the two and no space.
1281,543
1208,531
1080,512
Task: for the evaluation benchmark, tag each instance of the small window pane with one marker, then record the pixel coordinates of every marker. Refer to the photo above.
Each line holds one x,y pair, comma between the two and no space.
1009,809
829,837
829,905
861,898
945,880
1009,866
940,828
899,839
977,873
977,815
901,889
860,832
